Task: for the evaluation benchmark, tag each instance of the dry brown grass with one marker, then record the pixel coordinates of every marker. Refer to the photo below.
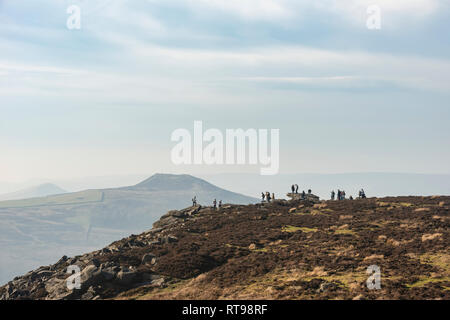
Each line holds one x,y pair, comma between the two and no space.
427,237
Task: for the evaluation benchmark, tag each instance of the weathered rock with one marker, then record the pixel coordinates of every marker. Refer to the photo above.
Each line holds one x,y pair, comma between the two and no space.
308,197
194,210
158,282
89,295
126,277
169,239
95,262
108,273
90,275
105,251
149,258
57,289
327,286
44,274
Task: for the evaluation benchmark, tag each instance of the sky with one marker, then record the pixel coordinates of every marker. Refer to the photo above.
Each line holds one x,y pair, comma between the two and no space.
105,98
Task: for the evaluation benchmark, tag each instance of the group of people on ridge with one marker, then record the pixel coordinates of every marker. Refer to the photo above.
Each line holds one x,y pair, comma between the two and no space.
294,189
341,195
215,205
267,197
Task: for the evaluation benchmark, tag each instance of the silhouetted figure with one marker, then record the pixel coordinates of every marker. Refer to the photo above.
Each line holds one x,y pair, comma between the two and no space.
215,204
273,196
343,195
362,194
268,196
309,191
333,194
263,196
351,198
220,204
194,201
303,194
293,188
296,188
339,195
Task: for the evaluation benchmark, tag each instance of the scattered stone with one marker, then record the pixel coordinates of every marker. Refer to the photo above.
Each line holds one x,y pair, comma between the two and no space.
168,239
90,275
89,295
158,282
45,274
149,258
327,286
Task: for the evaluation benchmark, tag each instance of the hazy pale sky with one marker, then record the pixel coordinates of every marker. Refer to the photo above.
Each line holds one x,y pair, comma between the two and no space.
105,99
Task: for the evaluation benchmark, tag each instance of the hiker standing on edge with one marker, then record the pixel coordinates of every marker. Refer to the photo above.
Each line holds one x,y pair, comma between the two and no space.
268,196
293,188
194,201
303,194
263,196
363,194
220,204
215,204
296,188
333,194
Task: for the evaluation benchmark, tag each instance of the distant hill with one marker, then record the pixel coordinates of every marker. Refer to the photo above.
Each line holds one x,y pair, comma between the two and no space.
37,230
170,182
42,190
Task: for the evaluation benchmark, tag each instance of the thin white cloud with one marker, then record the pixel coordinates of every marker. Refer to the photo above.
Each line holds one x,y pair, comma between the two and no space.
17,67
281,10
204,77
248,9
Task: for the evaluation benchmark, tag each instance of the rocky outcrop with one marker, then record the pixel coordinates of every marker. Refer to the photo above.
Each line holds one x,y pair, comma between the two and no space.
106,272
308,197
277,250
